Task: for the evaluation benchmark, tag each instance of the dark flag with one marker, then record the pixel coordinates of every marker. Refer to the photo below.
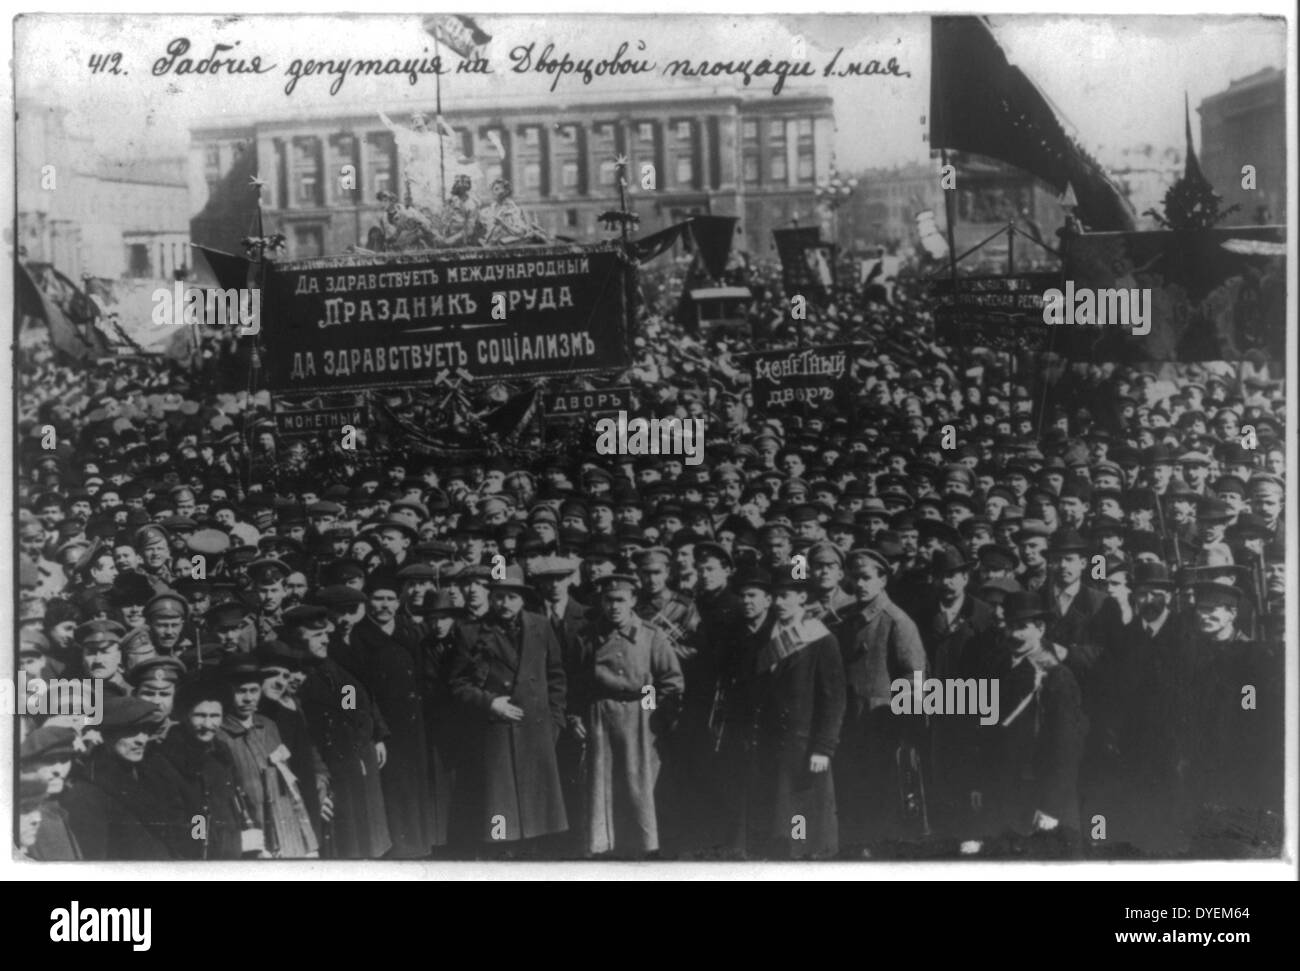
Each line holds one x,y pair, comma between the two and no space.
646,248
67,312
509,421
229,271
792,245
981,103
713,236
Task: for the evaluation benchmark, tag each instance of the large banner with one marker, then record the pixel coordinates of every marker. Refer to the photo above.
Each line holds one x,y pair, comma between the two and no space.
1009,308
1215,294
807,264
814,375
340,323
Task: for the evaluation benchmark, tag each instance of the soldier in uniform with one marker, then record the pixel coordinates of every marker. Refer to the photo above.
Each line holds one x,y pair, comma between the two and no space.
828,601
268,576
627,687
99,645
152,544
668,610
166,616
155,681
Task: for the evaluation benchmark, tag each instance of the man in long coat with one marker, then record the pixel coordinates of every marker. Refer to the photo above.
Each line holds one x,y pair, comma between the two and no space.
381,653
345,726
798,707
512,681
628,686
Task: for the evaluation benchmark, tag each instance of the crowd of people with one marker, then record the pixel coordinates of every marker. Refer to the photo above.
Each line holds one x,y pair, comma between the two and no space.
388,653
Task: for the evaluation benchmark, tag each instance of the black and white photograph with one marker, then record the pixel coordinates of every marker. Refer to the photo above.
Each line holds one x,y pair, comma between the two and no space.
695,440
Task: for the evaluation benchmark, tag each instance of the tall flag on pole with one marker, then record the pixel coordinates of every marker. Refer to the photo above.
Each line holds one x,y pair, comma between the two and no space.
461,34
981,103
1192,168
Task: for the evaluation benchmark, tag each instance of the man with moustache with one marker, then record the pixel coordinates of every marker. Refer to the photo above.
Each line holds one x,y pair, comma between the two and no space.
154,680
443,719
382,655
98,642
511,681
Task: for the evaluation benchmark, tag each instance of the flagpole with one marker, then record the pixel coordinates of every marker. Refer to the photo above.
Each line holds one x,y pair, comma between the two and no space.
442,149
950,216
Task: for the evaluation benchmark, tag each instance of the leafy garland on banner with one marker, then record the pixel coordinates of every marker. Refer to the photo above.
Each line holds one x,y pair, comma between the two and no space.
451,409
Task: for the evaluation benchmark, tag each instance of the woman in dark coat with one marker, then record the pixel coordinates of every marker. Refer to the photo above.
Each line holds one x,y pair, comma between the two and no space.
381,652
511,680
347,731
799,697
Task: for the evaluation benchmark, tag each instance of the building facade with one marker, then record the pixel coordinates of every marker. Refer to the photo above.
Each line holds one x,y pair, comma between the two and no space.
756,159
1246,125
90,215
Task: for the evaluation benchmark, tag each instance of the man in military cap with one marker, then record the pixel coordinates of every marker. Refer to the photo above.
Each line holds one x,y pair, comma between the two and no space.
268,578
166,617
879,644
155,681
669,611
98,642
828,601
620,660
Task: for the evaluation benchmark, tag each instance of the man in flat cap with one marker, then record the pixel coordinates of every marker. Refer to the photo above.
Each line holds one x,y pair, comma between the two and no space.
625,694
828,601
512,680
116,811
381,653
668,610
47,754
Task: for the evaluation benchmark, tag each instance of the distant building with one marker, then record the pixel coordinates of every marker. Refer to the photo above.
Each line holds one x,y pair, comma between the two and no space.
94,216
757,159
1246,125
882,211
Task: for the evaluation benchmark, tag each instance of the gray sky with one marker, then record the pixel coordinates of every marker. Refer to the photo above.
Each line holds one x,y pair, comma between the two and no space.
1118,81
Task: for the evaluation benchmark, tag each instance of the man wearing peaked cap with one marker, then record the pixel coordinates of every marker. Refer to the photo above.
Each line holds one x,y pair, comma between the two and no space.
828,601
166,616
667,610
155,681
99,644
624,655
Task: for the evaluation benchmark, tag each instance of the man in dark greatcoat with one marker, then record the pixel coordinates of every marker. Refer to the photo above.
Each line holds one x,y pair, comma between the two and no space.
512,681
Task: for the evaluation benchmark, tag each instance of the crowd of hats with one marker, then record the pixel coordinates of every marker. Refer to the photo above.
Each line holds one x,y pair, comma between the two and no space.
968,449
